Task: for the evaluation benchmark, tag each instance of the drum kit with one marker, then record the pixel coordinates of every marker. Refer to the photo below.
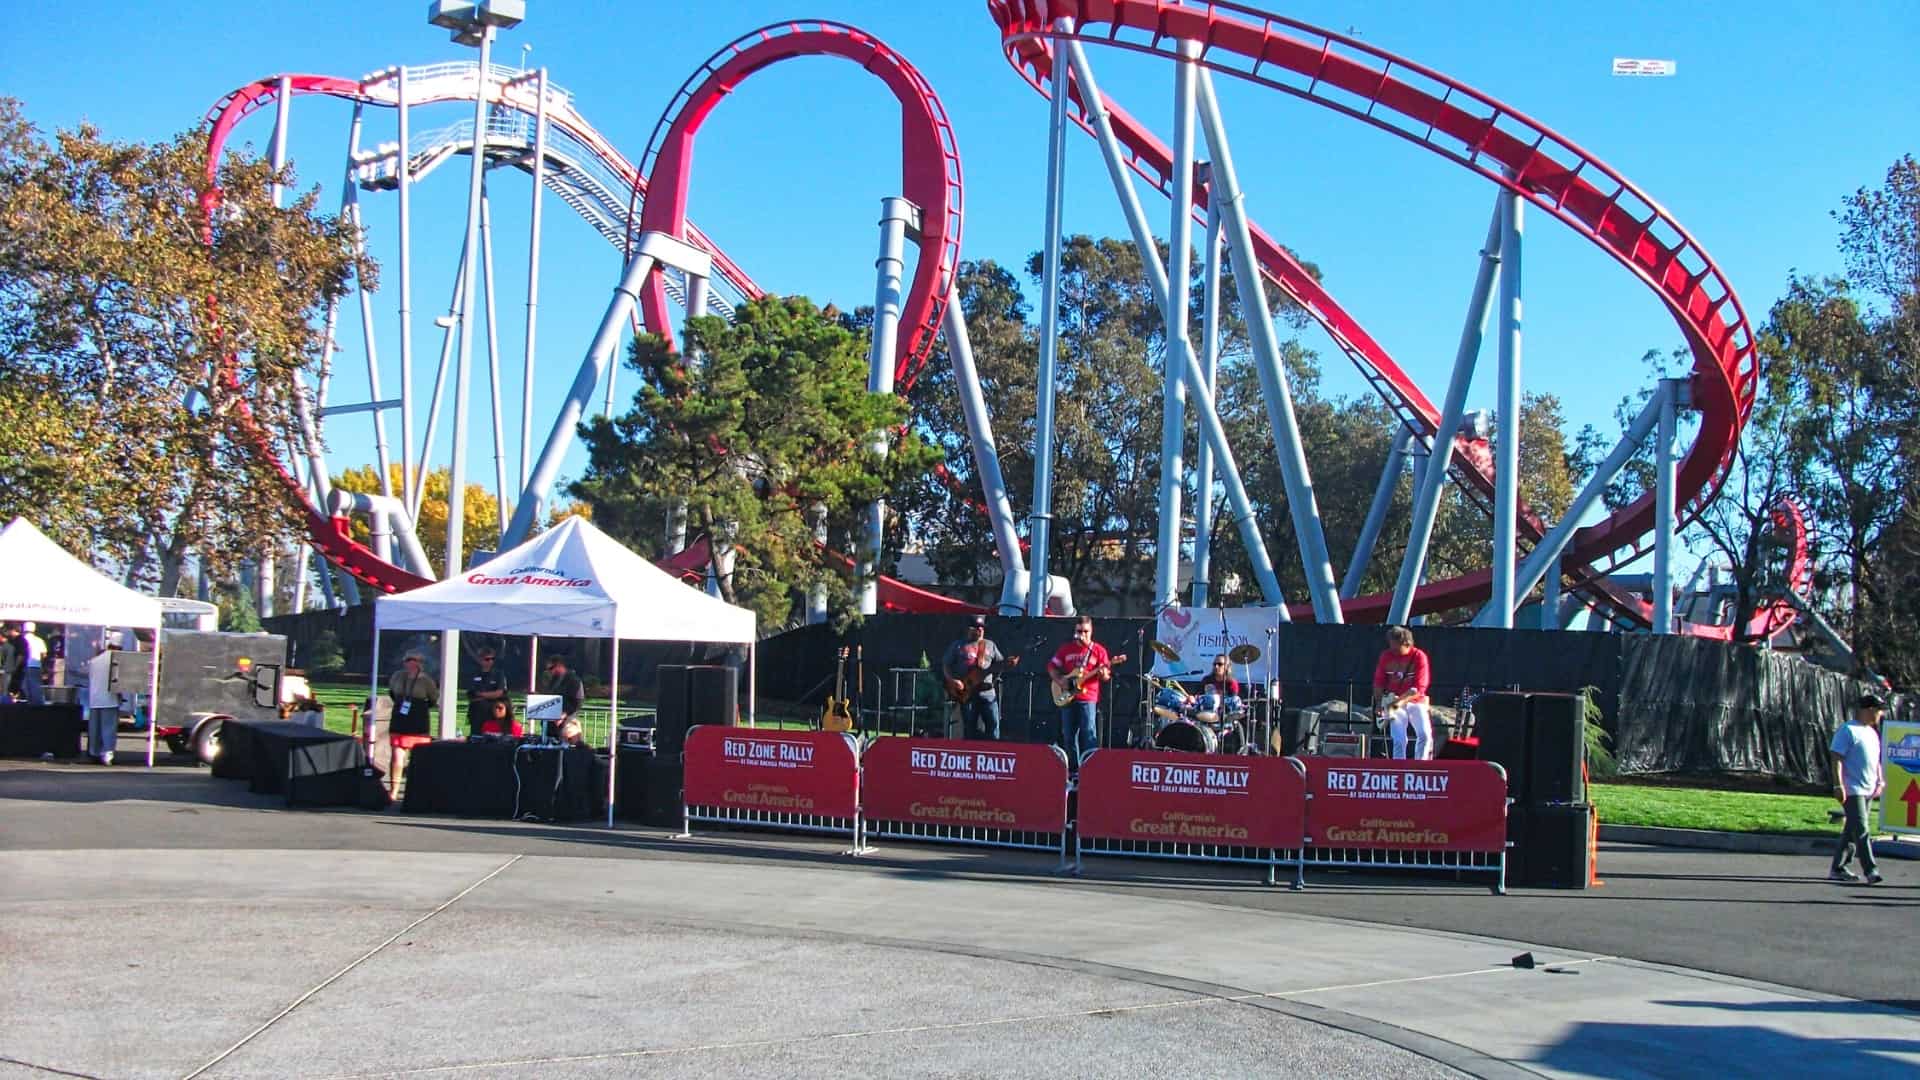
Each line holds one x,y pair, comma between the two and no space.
1207,723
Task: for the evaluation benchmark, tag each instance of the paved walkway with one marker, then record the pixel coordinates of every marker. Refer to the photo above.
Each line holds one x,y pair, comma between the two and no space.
490,949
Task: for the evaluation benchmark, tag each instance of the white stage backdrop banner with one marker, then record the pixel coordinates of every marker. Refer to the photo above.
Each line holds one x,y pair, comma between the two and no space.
1200,634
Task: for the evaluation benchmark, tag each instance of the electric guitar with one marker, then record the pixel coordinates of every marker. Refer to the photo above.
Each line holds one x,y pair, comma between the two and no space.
838,715
961,690
1067,687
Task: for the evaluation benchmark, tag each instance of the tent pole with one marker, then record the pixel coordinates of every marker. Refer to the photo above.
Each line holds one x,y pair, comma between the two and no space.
753,681
613,724
373,697
153,693
533,665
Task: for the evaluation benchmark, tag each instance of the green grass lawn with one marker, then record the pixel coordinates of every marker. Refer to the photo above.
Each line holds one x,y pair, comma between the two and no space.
1674,807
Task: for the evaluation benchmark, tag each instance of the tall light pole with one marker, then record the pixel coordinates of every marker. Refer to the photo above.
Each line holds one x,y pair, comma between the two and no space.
472,22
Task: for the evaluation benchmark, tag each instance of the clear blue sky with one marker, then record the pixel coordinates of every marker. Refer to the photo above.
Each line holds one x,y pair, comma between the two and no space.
1778,110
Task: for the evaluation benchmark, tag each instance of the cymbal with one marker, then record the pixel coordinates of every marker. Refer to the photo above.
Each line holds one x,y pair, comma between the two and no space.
1164,651
1244,654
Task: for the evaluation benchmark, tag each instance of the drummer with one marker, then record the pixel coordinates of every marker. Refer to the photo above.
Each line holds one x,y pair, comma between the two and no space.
1216,686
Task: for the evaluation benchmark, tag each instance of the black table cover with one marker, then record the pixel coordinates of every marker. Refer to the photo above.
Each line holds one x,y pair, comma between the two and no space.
265,752
33,730
503,779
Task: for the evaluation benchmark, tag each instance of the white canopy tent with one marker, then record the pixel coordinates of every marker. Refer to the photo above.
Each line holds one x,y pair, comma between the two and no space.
571,581
40,581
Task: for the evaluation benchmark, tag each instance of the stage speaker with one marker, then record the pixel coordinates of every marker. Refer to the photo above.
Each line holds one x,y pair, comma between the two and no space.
1296,730
1556,748
1557,852
1517,837
630,784
1500,722
671,715
660,802
713,695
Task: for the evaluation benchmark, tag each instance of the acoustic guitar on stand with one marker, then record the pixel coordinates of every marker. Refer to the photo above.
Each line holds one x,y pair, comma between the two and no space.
838,715
1067,687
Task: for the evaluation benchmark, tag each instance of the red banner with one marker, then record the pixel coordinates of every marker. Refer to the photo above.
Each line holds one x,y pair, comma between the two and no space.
775,772
1180,798
1410,805
1020,787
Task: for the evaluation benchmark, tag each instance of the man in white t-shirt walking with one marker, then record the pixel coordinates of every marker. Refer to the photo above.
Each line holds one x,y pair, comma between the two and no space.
1856,780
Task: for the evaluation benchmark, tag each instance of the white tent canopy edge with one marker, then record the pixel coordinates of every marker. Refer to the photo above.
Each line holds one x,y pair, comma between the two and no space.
40,581
571,581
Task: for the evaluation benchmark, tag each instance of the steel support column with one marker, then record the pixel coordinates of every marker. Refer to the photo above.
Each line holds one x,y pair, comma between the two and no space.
1506,456
1230,197
1557,538
1173,398
449,324
1671,395
1040,519
457,473
1197,388
1426,502
1209,371
986,457
1550,595
889,271
533,271
403,178
352,213
1377,512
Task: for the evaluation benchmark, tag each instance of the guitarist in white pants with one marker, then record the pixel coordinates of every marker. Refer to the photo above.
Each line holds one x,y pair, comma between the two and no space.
1400,681
968,671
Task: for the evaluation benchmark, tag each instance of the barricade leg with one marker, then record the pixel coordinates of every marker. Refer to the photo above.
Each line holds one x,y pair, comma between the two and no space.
686,823
1300,871
860,846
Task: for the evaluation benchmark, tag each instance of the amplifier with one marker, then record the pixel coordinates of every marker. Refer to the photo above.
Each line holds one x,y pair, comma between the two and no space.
1343,744
637,737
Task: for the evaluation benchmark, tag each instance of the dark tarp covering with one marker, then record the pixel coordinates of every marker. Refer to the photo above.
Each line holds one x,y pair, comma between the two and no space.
1693,705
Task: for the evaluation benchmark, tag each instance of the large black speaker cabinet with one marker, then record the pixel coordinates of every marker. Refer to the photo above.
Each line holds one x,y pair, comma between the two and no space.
672,711
1517,838
630,784
1296,731
713,695
1500,721
661,802
1558,855
1556,748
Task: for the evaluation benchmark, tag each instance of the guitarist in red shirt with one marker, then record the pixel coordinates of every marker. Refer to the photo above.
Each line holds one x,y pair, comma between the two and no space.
1077,670
1400,681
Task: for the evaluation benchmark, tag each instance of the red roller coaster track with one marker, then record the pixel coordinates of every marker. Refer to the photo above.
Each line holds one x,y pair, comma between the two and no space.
1350,77
1465,126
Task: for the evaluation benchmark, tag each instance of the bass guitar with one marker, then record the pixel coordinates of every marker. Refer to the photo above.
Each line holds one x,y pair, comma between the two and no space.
838,715
1067,687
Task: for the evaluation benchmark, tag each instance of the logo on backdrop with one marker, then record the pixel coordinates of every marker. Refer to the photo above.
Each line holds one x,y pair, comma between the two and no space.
1409,786
962,765
1905,753
548,576
1188,779
767,755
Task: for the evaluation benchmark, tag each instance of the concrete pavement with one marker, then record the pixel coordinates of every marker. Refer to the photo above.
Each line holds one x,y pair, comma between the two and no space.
160,936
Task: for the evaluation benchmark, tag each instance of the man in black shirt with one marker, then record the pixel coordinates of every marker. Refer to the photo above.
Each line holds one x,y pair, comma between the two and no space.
485,687
571,691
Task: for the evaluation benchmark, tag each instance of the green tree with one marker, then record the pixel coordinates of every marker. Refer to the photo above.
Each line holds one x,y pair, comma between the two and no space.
769,423
111,342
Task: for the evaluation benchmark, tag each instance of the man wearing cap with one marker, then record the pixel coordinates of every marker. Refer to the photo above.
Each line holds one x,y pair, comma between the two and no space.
1856,780
413,693
484,687
968,672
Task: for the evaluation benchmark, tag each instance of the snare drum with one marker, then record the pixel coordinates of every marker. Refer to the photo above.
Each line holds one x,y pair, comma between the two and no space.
1188,736
1170,704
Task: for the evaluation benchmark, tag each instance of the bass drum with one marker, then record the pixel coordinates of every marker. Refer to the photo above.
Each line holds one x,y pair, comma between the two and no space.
1188,736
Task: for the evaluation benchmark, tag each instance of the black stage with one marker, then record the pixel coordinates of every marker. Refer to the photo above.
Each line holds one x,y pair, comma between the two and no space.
309,765
33,730
505,779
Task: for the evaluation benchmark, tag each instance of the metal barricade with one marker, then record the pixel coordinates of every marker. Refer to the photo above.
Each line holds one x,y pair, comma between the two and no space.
1271,857
1381,856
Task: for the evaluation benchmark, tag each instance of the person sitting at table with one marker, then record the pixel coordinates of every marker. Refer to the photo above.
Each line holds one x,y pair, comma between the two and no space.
413,693
572,693
494,717
484,688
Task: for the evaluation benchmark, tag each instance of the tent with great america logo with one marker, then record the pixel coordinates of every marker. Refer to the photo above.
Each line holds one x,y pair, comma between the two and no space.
571,581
